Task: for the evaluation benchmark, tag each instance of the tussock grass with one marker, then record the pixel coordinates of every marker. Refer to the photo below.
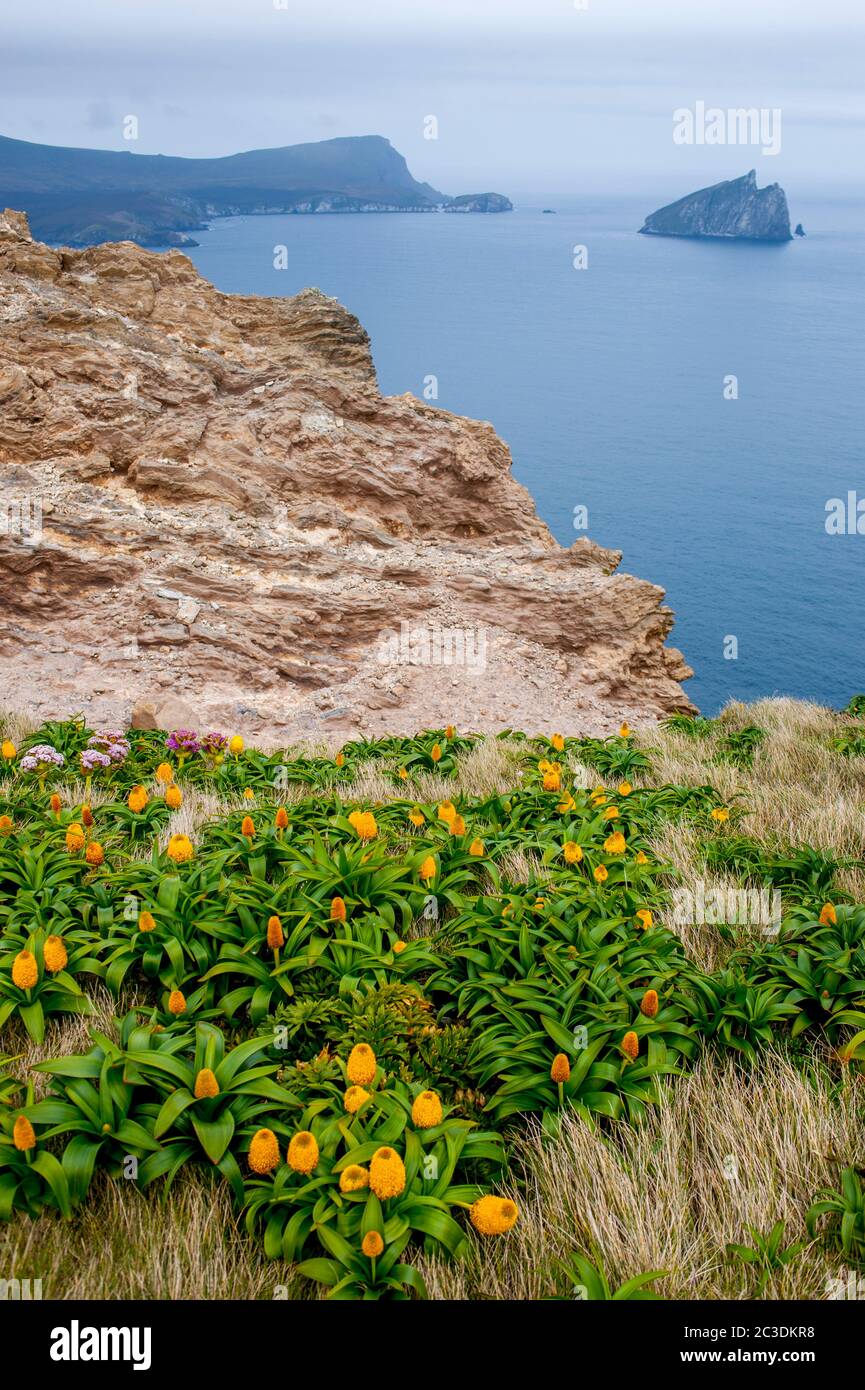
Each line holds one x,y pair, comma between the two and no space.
657,1196
126,1244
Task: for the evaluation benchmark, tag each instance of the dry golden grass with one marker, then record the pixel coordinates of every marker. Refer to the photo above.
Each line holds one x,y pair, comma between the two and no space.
656,1196
126,1244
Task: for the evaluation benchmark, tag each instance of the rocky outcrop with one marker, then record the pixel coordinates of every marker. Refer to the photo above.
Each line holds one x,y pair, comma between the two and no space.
207,499
736,209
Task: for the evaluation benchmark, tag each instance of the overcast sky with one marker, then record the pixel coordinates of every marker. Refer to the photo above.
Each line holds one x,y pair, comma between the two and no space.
530,95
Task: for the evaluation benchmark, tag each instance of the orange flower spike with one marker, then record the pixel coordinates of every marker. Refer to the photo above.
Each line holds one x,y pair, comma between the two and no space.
631,1046
649,1003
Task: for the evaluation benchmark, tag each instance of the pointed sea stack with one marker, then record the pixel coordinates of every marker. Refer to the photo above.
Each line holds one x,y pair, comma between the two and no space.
736,210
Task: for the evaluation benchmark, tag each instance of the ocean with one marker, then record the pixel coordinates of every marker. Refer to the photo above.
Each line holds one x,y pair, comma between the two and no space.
611,385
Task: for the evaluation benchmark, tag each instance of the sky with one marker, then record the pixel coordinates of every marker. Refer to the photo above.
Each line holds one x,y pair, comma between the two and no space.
530,97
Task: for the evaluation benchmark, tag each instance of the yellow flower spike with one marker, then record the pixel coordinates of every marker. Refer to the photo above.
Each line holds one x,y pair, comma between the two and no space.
206,1085
366,827
354,1178
558,743
828,916
399,947
568,804
95,854
624,730
386,1173
641,858
75,838
457,826
493,1216
611,813
601,874
173,797
625,789
180,849
247,827
362,1065
372,1244
552,782
235,746
446,811
615,843
631,1046
137,800
275,934
477,849
7,825
560,1071
436,753
450,731
427,869
303,1152
281,821
54,955
572,851
340,759
8,749
165,773
720,813
354,1098
417,817
25,971
649,1003
264,1152
177,1002
23,1134
146,921
249,794
645,918
426,1110
403,774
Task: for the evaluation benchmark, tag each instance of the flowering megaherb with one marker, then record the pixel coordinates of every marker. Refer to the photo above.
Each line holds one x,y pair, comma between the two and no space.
41,758
183,741
92,759
113,743
214,746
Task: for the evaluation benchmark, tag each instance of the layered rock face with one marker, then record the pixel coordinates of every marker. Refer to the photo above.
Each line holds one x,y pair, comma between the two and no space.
736,209
210,515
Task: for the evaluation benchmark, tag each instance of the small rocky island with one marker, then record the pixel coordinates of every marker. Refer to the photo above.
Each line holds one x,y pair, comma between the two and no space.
737,209
480,202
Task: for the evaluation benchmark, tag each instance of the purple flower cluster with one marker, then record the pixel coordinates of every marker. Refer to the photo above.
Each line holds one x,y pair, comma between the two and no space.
113,743
214,743
183,741
40,758
92,758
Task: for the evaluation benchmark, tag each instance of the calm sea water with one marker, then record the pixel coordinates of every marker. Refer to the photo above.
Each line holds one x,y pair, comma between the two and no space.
607,383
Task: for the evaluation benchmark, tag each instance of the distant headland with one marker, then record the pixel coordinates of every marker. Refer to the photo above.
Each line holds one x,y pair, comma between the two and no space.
83,197
737,210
